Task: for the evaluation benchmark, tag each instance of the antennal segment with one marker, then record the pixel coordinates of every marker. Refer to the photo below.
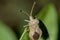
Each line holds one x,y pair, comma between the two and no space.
24,12
32,8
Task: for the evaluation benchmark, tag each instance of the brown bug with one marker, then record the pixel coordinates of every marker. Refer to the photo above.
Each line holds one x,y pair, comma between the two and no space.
35,32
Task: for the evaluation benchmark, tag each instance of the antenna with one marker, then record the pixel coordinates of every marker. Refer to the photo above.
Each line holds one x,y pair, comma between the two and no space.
24,12
32,8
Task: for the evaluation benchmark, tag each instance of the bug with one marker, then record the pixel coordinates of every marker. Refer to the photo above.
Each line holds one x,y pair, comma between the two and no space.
35,32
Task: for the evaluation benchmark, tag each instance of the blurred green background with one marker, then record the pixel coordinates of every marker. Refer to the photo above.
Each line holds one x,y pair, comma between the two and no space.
13,20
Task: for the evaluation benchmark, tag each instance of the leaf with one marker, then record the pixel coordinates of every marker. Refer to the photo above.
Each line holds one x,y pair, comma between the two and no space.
49,17
25,35
6,33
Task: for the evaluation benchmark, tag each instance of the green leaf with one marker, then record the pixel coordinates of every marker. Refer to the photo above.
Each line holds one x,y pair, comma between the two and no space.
25,35
49,17
6,33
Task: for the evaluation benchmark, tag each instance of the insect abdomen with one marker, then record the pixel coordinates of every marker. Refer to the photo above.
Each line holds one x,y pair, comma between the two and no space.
36,36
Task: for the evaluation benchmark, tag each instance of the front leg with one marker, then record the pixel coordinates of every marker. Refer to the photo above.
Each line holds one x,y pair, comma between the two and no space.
27,20
25,25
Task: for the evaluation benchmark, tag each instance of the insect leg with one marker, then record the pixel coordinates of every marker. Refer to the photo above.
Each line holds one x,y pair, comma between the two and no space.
25,25
27,20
